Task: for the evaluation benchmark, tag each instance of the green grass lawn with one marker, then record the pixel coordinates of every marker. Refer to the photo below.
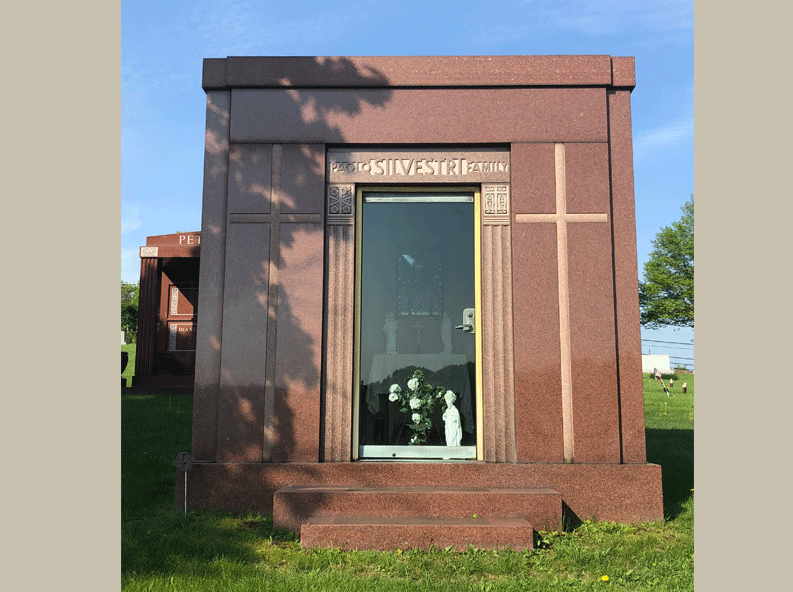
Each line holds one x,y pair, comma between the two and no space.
675,411
165,550
129,372
669,423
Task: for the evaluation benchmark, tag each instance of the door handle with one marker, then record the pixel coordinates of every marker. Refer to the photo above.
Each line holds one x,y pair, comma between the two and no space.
468,321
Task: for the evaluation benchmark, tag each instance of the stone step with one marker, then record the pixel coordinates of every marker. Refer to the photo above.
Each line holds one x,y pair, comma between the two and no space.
413,532
293,506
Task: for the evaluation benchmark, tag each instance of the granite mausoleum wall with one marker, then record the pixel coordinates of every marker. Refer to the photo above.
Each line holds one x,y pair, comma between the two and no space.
561,346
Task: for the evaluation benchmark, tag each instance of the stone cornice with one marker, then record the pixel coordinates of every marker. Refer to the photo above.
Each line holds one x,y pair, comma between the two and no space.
418,71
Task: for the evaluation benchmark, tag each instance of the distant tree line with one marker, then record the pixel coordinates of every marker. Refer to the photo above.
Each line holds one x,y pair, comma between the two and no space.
129,310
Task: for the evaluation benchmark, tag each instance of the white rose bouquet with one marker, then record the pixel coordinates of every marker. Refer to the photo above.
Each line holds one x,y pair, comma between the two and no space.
419,400
393,393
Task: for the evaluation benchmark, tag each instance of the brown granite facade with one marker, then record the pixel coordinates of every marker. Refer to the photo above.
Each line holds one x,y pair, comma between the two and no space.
546,143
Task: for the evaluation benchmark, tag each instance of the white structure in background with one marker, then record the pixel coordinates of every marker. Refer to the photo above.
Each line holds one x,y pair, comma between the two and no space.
651,362
122,338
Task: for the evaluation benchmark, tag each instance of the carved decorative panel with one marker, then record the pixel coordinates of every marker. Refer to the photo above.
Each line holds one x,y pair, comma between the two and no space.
341,204
495,203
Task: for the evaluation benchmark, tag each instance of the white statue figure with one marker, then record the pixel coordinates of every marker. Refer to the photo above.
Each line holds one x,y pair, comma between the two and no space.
446,334
390,328
451,417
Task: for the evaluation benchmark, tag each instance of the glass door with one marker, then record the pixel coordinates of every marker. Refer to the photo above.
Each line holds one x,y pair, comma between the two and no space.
416,337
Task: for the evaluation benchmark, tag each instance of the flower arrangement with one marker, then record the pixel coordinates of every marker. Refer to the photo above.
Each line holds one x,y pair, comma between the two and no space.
420,400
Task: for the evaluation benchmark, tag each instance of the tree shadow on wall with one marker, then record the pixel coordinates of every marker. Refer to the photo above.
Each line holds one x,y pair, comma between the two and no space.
288,294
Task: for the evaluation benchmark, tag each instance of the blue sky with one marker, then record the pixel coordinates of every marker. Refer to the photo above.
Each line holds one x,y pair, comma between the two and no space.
163,106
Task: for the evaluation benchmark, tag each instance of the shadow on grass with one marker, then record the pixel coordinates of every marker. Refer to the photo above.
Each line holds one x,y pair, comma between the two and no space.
199,544
155,540
154,429
674,451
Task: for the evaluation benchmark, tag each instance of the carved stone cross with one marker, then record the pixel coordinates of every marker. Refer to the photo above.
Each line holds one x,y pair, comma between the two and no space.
561,218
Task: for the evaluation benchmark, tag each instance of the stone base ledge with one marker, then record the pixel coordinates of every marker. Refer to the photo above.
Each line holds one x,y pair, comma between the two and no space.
613,492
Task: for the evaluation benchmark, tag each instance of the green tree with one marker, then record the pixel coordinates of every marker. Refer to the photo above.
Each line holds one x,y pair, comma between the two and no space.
129,310
666,296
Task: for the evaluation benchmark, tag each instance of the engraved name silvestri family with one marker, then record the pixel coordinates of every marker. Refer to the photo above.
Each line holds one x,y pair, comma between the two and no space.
419,166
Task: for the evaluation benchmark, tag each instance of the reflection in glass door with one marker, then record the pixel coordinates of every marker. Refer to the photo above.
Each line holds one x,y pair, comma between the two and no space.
416,333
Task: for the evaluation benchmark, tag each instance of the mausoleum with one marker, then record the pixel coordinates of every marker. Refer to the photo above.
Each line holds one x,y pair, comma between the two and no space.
468,217
167,313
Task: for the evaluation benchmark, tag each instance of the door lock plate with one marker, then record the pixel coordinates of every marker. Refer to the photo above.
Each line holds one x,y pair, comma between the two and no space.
469,321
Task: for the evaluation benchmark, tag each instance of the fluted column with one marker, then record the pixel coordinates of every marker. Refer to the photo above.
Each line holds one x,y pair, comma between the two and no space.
497,343
339,323
148,305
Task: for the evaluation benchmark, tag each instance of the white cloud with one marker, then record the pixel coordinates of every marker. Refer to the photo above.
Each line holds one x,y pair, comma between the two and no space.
660,21
253,28
133,90
130,265
130,220
672,134
142,88
616,16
